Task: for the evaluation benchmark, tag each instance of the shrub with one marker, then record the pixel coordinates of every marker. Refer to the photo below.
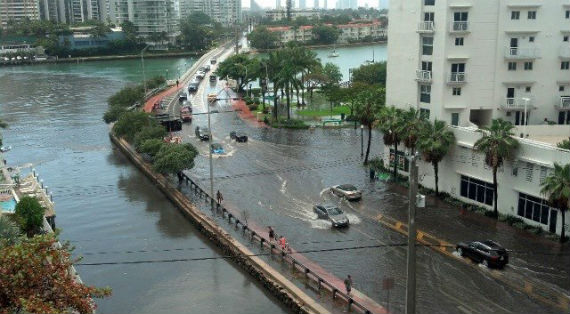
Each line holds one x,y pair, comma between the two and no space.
30,215
290,124
130,123
153,131
173,158
252,107
552,236
151,146
377,164
519,225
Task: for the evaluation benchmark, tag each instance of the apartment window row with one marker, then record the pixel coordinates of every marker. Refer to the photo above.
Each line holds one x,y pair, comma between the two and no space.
425,93
429,2
529,65
516,15
477,190
533,208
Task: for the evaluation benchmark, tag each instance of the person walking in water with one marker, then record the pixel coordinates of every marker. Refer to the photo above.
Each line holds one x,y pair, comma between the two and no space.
271,234
219,197
348,284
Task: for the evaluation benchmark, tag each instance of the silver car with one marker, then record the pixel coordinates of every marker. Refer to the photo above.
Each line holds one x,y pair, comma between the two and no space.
332,213
348,191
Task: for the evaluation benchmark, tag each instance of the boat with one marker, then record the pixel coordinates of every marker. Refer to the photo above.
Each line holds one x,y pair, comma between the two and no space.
333,53
371,61
5,149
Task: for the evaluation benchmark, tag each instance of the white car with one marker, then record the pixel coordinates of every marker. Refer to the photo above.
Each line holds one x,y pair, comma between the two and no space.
348,191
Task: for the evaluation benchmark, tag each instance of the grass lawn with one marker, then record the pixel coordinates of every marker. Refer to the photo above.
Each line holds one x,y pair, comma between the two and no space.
324,112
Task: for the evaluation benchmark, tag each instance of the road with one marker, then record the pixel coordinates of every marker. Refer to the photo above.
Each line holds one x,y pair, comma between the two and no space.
278,175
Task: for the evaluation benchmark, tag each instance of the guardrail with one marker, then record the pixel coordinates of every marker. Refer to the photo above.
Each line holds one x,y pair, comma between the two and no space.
284,254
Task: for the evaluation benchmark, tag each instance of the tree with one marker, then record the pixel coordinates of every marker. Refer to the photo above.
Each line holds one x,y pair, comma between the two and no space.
556,186
434,143
130,123
369,103
412,124
36,278
153,131
261,38
325,34
332,73
565,144
9,232
99,30
498,144
374,73
195,34
390,121
130,30
350,94
30,215
151,146
240,68
173,158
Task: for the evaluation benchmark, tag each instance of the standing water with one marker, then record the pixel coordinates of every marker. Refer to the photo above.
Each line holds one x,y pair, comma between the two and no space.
108,210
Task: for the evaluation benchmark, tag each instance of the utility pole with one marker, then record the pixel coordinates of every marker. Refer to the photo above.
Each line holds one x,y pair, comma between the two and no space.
411,259
237,39
208,104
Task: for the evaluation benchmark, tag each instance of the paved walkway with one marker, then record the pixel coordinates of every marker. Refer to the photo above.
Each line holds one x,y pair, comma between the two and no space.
246,114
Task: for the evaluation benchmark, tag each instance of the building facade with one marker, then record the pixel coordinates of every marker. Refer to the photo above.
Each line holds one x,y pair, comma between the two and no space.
349,32
281,14
18,10
467,62
226,12
149,16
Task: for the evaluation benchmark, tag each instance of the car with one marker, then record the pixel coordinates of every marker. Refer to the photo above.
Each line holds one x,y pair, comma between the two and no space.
182,97
488,252
348,191
187,105
217,148
202,69
213,78
213,61
238,136
185,114
207,68
332,213
200,75
212,98
192,87
202,133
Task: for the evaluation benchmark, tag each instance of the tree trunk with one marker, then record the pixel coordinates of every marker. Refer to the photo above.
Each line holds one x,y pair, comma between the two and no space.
275,108
436,172
495,196
562,232
288,91
368,145
297,91
303,88
395,161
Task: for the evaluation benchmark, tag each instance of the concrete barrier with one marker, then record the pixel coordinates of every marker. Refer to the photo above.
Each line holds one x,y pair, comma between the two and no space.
288,293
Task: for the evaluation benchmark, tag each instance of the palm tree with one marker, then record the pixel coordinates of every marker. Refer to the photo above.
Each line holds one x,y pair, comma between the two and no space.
556,187
434,143
390,121
273,63
369,104
411,127
498,144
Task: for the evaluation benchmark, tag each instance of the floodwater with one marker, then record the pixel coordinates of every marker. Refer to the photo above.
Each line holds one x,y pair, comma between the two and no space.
105,206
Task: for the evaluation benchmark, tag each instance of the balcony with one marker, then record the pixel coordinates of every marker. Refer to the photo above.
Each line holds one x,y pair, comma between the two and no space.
426,27
456,78
565,52
423,76
564,104
459,27
518,53
517,104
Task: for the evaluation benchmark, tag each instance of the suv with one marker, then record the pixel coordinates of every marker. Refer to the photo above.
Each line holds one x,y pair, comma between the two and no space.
331,213
488,253
203,133
213,77
238,136
192,87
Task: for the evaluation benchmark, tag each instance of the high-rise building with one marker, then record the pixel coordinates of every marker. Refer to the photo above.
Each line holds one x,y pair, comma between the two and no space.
83,10
53,10
347,4
277,4
149,16
302,4
227,12
315,4
17,10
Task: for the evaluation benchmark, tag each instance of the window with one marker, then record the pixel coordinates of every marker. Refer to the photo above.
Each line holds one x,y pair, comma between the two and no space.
565,38
515,15
568,14
425,93
561,88
528,66
527,89
456,91
477,190
426,66
529,171
427,46
564,117
530,39
424,113
429,2
565,65
531,15
512,66
459,41
429,16
455,118
533,208
403,163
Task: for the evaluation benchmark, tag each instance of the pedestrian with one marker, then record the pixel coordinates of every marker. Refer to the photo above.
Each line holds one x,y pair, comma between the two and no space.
219,197
283,243
271,234
348,284
180,177
177,83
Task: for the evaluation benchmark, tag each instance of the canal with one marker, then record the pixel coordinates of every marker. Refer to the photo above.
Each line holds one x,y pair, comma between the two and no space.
107,209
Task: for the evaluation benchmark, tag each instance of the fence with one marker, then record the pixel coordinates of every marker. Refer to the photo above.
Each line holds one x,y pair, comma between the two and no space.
285,256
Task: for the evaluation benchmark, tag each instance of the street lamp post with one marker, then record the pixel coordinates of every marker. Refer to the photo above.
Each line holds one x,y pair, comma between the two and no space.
210,153
411,257
361,140
142,62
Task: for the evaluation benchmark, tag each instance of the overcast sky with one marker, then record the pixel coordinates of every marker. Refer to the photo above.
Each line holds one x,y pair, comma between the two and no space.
330,3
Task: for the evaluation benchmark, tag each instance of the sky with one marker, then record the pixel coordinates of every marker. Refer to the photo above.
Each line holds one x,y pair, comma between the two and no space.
331,3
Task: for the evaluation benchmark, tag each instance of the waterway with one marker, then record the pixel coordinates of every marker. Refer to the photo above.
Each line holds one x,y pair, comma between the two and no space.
105,206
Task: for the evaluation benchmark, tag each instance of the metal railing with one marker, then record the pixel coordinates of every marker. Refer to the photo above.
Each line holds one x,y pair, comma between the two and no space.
518,103
456,78
423,75
564,102
285,255
459,26
522,53
426,26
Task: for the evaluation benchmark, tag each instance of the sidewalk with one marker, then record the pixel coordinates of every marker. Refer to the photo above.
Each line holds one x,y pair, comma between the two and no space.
156,98
246,114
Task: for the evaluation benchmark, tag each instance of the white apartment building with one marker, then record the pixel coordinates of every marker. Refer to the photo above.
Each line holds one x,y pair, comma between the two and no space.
149,16
226,12
349,32
281,14
467,62
17,10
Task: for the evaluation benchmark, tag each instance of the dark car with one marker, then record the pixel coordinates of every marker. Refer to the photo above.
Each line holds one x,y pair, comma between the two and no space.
185,114
207,68
202,69
213,78
182,97
348,191
238,136
213,61
332,213
488,253
192,87
202,133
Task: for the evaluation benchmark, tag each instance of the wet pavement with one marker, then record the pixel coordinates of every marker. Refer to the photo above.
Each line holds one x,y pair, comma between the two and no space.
278,175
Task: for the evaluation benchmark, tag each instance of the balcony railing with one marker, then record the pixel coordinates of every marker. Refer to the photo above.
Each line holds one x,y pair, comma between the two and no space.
518,103
425,27
423,76
564,103
459,27
456,78
522,53
565,52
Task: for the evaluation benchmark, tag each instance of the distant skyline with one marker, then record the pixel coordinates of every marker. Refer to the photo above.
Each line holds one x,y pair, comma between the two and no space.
309,4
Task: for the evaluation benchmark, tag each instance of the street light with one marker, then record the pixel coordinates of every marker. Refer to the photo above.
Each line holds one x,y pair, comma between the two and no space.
142,62
361,140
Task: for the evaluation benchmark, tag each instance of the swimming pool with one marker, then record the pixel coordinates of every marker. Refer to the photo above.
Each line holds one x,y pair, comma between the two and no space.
8,206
